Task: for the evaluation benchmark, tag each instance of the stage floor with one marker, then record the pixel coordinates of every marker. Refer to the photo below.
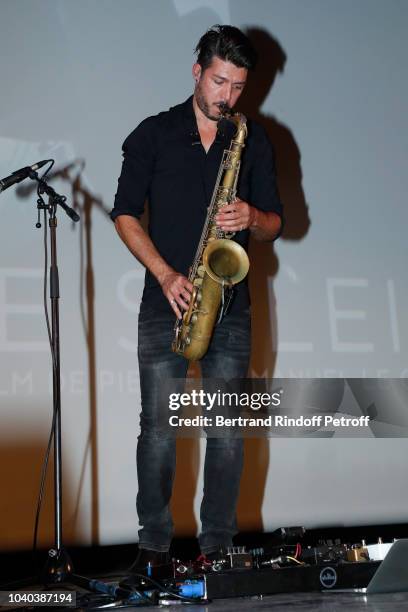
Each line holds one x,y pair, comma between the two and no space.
111,563
305,602
328,601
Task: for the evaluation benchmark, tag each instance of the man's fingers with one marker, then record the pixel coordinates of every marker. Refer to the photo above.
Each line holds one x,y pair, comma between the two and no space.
235,226
174,304
186,295
229,219
236,222
234,216
178,291
187,286
182,294
182,302
176,309
229,212
179,301
182,284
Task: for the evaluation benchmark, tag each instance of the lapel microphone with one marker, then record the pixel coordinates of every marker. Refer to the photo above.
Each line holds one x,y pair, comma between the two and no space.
195,138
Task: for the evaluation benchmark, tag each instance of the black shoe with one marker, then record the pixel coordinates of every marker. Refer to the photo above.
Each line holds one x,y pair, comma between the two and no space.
148,563
216,555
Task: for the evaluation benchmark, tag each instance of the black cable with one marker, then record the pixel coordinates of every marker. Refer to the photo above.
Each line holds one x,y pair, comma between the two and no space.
52,431
114,599
54,365
52,162
111,604
170,592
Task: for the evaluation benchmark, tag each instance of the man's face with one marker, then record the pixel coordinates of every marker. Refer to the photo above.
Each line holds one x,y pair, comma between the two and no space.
221,83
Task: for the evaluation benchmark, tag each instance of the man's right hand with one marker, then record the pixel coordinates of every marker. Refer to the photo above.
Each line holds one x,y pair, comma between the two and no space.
177,289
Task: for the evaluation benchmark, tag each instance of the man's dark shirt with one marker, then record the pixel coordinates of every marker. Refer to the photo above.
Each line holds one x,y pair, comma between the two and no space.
165,163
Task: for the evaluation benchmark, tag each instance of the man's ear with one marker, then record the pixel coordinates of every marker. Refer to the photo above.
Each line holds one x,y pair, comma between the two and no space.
196,72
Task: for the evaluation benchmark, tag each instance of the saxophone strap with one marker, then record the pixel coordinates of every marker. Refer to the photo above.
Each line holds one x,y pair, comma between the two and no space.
227,294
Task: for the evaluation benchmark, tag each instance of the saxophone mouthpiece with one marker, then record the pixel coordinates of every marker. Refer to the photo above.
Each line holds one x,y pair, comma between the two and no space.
225,110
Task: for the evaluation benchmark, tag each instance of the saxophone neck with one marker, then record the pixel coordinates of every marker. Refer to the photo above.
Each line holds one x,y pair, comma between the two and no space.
238,119
241,132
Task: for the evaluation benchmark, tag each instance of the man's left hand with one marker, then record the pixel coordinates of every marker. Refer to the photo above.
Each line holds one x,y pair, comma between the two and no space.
235,217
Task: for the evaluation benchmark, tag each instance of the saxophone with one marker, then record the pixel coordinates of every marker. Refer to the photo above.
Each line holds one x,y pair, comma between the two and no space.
219,262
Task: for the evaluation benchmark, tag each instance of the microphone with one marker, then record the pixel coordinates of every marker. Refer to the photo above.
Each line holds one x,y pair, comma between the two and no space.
26,189
195,138
20,175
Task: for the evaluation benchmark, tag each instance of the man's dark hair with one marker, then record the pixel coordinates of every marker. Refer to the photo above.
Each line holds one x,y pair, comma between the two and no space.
229,44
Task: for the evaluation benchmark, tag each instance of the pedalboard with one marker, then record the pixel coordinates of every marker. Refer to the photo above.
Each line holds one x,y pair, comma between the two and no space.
285,566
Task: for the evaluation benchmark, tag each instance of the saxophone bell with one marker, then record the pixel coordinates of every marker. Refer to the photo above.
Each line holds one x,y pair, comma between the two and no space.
225,261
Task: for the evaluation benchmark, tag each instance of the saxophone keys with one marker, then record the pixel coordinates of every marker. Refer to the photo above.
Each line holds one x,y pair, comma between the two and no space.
198,282
201,271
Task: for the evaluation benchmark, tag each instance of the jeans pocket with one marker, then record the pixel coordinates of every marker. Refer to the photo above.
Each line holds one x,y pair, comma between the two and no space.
146,311
239,328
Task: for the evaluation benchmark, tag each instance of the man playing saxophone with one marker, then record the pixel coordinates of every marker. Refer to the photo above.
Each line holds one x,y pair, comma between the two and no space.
172,160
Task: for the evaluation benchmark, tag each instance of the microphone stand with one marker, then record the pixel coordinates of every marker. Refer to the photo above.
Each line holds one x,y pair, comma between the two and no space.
58,568
58,565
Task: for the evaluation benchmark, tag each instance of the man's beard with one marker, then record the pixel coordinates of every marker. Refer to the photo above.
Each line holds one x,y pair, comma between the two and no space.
204,106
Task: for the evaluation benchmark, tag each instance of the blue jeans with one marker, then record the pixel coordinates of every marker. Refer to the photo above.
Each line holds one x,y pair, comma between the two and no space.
227,357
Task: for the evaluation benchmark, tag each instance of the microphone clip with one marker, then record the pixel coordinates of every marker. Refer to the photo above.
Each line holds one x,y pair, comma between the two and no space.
195,138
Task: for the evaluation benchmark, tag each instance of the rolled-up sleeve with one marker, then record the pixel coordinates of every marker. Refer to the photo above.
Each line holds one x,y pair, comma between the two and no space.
137,172
264,187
